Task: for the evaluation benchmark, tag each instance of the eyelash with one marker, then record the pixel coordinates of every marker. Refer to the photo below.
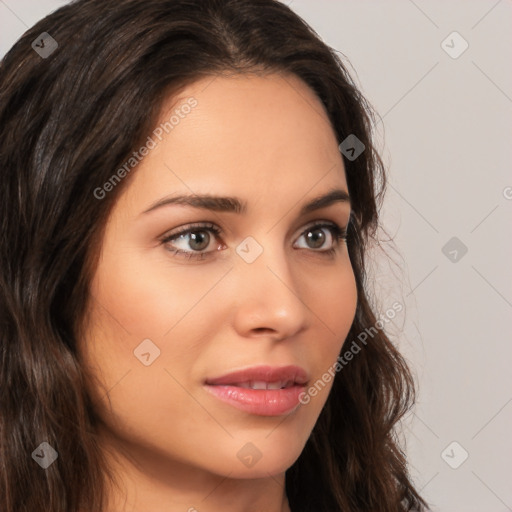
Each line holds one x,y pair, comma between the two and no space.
338,234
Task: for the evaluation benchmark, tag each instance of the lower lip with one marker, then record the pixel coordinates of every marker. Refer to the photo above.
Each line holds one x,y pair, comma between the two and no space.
264,402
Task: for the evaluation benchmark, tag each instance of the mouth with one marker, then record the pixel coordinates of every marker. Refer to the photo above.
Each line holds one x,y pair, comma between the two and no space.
261,390
254,384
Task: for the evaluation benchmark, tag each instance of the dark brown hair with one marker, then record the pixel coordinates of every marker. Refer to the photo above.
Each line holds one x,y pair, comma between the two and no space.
68,120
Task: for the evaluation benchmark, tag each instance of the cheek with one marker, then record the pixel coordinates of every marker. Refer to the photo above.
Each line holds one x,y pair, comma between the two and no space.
148,296
334,304
134,301
339,302
153,406
335,308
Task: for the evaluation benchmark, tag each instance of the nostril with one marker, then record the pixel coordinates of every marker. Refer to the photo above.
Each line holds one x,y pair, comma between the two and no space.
260,330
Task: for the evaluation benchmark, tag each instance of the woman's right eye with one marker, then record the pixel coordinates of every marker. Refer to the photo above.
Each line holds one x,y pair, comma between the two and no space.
197,237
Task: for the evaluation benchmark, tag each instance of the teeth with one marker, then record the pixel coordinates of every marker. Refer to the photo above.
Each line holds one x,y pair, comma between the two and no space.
255,384
275,385
258,385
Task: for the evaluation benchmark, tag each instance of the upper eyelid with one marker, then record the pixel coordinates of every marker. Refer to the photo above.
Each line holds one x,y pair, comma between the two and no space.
207,226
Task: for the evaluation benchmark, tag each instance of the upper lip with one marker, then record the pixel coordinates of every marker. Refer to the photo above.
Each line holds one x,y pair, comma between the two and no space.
293,373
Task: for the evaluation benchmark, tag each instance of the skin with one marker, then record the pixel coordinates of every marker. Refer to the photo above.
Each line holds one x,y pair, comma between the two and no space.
266,140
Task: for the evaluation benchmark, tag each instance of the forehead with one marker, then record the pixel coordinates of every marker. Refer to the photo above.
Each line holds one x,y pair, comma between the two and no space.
245,134
272,115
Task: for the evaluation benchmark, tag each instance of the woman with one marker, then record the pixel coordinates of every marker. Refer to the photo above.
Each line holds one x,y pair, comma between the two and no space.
188,191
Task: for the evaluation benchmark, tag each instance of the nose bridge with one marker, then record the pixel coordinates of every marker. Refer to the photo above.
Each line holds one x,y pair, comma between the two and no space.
268,293
265,258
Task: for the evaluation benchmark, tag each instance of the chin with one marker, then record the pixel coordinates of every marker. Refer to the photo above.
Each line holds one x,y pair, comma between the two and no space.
261,459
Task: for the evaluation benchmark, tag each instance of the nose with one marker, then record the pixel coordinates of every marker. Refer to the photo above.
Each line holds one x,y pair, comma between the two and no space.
267,297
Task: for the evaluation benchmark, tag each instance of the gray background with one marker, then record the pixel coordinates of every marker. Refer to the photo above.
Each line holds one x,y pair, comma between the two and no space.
445,137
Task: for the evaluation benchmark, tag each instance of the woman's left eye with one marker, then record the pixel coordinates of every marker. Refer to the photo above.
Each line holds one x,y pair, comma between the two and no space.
196,239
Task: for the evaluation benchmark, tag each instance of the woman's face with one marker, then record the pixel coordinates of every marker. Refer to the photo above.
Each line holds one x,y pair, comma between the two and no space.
263,291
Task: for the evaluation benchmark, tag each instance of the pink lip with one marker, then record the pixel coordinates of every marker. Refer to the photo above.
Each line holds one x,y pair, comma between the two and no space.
263,402
263,373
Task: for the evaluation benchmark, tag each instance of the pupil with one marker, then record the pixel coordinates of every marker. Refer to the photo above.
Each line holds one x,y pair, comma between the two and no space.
199,237
317,240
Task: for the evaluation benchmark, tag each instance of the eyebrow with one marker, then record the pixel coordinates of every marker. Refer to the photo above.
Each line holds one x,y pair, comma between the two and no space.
235,205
